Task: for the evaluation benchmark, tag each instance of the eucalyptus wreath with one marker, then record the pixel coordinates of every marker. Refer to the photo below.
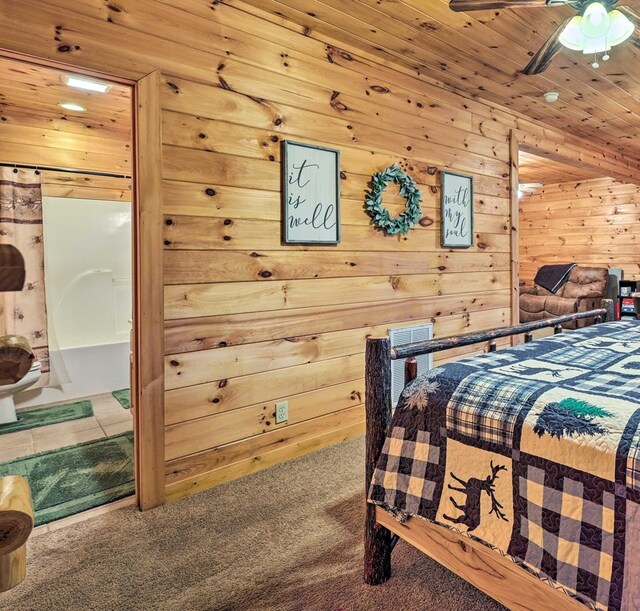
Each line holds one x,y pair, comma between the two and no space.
408,189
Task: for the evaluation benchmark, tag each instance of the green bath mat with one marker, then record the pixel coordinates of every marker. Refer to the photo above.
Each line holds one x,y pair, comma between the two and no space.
69,480
123,397
45,416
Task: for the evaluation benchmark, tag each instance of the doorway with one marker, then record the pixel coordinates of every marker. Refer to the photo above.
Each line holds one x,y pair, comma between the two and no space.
69,139
568,214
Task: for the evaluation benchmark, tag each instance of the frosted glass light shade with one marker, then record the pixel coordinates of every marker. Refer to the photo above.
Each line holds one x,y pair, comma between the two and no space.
596,45
595,21
620,29
572,37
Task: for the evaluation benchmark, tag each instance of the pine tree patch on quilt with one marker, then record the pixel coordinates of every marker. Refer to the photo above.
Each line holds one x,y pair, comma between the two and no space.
535,452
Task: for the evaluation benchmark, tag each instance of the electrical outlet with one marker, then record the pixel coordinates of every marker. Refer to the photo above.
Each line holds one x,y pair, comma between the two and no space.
282,412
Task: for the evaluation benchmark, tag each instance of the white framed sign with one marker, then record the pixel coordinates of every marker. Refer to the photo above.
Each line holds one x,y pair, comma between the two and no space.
310,194
457,210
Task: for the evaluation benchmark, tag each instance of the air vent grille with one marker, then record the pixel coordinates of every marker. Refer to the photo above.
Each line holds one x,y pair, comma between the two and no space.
407,335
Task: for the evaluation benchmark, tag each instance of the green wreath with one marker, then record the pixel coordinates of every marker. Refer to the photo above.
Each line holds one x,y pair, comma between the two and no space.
408,189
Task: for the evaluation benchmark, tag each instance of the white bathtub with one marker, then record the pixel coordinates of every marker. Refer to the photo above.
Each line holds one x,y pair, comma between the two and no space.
92,369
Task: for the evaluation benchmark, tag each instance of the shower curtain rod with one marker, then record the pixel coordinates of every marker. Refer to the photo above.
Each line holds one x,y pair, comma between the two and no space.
54,169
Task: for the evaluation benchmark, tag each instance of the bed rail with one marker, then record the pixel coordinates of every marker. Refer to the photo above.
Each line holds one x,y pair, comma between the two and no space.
378,356
445,343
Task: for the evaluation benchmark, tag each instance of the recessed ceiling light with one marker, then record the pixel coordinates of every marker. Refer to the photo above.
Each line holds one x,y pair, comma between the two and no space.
551,96
84,83
72,106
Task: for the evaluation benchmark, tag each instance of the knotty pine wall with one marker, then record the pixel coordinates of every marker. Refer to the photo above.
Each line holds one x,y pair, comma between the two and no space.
593,222
250,322
50,141
30,135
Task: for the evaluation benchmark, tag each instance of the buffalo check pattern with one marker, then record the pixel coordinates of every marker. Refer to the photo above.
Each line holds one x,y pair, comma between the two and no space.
404,477
569,523
569,537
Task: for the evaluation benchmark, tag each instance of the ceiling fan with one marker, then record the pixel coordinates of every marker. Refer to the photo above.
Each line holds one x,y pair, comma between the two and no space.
598,26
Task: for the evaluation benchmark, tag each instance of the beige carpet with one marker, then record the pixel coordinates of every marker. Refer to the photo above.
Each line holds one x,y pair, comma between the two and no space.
288,538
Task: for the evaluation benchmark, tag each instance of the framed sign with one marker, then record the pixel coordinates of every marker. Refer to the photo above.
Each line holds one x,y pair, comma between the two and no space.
457,210
310,194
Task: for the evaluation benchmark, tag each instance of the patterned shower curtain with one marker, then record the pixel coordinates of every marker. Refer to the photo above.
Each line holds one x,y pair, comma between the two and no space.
25,312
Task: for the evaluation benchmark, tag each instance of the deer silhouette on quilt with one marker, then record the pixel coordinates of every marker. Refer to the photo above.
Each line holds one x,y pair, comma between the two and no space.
473,489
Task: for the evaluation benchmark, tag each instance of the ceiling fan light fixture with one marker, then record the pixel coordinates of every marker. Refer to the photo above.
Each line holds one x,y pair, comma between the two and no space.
597,30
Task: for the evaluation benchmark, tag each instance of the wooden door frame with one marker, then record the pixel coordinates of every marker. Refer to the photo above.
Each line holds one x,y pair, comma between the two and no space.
514,221
147,341
147,372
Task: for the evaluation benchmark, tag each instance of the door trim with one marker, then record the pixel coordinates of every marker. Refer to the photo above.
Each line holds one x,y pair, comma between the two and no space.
147,342
514,222
148,302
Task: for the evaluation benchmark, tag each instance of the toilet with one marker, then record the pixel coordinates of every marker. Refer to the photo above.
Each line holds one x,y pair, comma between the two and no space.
8,392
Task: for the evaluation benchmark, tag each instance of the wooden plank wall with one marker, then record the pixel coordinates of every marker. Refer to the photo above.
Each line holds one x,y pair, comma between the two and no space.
248,321
85,186
46,139
593,222
251,322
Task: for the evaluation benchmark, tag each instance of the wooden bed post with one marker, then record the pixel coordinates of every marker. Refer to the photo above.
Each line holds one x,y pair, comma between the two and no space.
410,370
377,539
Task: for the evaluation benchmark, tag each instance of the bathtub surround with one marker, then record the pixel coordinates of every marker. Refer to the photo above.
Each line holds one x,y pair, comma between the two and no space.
46,416
88,275
24,313
123,397
72,479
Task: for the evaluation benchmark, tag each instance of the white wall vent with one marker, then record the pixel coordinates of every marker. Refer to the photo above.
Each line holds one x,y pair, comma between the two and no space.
407,335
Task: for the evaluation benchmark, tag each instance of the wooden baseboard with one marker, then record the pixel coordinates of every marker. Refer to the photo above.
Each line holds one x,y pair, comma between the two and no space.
487,570
203,481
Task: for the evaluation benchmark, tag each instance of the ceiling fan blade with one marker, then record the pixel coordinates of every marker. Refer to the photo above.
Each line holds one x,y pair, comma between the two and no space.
541,60
631,14
484,5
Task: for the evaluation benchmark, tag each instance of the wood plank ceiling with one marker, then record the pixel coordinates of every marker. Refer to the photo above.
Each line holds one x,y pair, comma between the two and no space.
480,54
34,130
546,171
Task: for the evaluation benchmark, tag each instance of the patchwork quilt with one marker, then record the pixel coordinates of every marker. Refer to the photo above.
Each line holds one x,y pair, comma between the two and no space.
535,452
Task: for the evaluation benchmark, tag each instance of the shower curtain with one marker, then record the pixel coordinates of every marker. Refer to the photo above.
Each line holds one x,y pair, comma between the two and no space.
25,313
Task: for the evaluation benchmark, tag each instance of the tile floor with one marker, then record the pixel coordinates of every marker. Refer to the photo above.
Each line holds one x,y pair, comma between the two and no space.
109,419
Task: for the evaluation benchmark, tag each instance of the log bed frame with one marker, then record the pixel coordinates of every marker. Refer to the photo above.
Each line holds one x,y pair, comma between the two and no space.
487,570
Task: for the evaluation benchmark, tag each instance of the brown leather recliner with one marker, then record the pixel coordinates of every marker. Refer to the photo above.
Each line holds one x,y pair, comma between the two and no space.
583,291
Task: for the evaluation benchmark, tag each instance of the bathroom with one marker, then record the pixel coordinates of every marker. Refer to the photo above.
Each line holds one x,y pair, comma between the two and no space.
66,421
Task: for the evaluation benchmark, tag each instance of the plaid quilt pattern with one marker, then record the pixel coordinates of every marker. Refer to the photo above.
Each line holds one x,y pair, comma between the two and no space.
486,406
403,480
582,357
608,384
503,357
565,519
563,523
